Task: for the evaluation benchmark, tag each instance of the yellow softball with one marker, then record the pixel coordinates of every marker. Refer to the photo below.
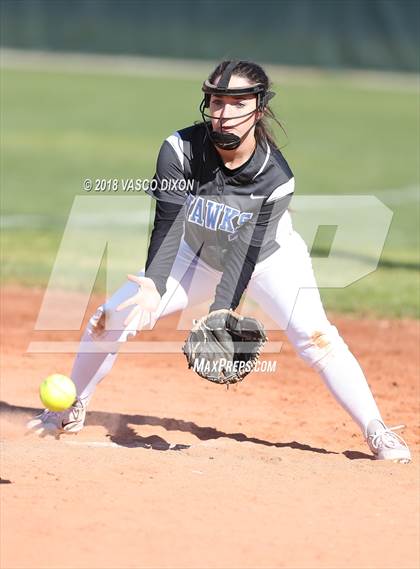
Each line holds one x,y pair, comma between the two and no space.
57,392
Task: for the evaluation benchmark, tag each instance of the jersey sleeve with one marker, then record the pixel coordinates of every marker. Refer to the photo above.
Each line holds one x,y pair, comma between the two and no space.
270,214
169,191
169,183
164,242
241,259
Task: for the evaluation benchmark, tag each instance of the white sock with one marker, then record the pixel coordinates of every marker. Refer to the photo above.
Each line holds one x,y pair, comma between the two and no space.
346,381
90,368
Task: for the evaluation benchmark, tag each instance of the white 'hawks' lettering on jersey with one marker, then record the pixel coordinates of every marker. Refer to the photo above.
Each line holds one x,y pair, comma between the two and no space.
213,216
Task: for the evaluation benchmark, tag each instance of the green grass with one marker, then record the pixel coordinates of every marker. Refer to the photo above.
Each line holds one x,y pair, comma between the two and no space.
60,128
385,292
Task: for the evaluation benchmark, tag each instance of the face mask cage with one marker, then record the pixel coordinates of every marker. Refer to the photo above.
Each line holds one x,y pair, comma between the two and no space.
205,103
226,140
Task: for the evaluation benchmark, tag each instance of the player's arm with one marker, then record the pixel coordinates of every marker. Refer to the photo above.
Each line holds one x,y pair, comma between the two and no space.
169,216
243,256
164,242
166,235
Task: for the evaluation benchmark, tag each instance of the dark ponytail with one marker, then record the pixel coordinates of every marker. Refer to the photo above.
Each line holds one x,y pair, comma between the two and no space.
254,73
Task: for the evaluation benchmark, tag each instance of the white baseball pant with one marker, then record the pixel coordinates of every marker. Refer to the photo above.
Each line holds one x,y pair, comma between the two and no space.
283,285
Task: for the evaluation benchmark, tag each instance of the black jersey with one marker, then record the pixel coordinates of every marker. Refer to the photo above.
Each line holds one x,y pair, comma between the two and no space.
228,217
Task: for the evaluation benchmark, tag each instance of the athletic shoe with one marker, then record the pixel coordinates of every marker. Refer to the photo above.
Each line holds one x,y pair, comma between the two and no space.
54,423
385,444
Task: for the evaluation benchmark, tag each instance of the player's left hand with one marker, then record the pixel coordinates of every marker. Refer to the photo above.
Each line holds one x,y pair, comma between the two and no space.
147,298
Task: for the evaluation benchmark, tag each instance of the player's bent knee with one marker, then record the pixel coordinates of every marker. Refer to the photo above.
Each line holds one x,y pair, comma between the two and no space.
321,346
106,324
96,324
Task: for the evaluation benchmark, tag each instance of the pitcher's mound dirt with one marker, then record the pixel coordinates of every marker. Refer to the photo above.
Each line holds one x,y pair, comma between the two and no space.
172,472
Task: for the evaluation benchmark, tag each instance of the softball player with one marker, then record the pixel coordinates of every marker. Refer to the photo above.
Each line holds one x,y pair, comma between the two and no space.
222,191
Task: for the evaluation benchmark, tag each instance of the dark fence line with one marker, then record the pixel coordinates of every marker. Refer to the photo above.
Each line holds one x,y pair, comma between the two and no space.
375,34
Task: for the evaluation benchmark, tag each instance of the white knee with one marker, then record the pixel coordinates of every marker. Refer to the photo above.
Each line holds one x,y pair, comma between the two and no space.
107,324
319,346
96,324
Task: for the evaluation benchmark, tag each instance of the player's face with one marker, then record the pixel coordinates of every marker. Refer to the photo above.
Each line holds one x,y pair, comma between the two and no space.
233,114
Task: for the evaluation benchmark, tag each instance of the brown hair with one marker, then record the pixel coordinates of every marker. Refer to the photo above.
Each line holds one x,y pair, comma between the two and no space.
254,73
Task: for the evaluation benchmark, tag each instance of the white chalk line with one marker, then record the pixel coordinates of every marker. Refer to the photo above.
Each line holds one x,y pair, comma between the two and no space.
110,444
98,444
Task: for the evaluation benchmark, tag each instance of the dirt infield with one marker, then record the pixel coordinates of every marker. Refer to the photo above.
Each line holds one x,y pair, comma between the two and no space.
171,472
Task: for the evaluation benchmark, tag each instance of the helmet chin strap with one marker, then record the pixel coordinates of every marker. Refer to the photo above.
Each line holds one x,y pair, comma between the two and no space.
228,140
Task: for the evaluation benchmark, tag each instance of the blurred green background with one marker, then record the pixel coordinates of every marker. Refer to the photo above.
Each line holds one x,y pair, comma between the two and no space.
344,137
369,34
84,94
